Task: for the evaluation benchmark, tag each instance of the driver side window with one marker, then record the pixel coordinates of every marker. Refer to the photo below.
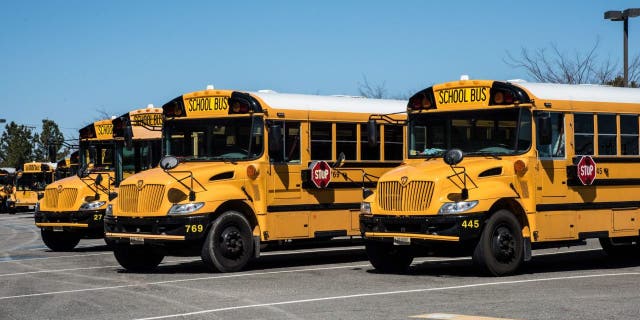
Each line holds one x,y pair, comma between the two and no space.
556,149
290,151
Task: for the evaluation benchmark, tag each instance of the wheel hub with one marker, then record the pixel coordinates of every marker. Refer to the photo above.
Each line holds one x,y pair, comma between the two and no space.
504,245
231,243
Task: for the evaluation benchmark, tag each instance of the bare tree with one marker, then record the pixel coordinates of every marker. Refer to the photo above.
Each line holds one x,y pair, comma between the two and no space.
555,66
376,91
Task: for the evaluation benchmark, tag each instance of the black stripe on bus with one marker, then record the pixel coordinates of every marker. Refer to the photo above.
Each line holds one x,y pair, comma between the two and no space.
605,182
597,160
588,206
360,164
341,185
314,207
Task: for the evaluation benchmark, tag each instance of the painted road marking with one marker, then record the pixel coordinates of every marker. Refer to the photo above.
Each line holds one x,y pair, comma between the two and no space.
385,293
236,275
449,316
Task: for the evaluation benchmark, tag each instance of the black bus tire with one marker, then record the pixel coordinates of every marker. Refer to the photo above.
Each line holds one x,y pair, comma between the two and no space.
500,249
229,243
387,258
137,258
60,241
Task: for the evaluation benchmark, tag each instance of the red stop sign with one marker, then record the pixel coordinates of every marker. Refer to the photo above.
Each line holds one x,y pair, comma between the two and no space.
586,170
320,173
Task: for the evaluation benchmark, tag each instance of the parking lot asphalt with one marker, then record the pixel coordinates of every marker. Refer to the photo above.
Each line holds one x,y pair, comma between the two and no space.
305,283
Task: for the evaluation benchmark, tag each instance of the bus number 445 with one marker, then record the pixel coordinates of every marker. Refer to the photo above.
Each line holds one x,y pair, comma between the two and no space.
475,224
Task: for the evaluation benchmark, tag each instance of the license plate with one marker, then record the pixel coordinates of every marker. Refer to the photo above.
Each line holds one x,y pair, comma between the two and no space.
58,229
136,240
401,241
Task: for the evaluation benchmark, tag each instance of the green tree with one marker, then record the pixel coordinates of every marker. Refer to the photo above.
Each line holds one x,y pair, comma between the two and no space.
16,145
49,140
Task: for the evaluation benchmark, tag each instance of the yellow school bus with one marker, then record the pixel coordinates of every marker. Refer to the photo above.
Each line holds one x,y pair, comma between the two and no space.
496,169
6,187
30,184
73,208
247,169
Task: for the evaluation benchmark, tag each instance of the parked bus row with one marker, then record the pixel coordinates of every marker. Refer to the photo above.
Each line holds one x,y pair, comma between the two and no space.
483,168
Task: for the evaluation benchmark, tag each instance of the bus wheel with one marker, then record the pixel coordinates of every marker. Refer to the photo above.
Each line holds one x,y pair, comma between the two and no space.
500,248
387,258
137,258
623,248
60,241
229,244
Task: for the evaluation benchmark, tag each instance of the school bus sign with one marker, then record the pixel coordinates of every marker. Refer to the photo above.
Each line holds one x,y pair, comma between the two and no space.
586,170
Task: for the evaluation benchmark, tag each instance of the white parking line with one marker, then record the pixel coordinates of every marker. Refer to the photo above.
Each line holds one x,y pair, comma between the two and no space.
234,275
18,259
361,295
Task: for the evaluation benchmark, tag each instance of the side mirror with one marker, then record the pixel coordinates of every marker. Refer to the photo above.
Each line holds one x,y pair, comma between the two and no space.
128,135
169,162
372,133
544,130
453,157
98,179
340,160
275,140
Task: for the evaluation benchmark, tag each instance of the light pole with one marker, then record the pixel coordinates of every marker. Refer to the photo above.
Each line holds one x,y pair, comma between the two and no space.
624,16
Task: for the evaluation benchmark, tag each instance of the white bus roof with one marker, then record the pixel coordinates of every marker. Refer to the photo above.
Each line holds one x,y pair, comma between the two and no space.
331,103
581,92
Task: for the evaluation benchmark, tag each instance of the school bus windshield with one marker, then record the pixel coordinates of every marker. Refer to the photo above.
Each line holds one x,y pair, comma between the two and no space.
34,181
480,132
100,154
238,138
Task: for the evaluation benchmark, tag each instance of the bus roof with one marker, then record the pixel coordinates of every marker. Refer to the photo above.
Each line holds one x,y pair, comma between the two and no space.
581,92
330,103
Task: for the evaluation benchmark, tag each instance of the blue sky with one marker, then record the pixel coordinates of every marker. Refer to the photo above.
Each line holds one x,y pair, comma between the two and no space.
71,61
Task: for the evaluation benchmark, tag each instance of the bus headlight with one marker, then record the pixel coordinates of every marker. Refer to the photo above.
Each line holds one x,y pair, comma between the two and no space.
457,207
109,210
185,208
365,207
93,205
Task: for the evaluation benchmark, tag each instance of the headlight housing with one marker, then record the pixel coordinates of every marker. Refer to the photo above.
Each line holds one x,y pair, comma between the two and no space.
92,205
185,208
457,207
365,207
109,210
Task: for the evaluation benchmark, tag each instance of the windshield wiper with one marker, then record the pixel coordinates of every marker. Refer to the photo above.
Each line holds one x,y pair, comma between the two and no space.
483,153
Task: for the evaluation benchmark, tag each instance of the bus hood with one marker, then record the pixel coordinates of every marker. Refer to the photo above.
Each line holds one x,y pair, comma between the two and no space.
153,192
200,172
422,187
68,194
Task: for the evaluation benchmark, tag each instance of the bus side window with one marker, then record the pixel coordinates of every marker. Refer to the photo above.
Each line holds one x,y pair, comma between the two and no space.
583,133
290,151
321,138
556,149
393,142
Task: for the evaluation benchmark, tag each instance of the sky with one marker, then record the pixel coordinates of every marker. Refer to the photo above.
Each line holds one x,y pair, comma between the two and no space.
76,61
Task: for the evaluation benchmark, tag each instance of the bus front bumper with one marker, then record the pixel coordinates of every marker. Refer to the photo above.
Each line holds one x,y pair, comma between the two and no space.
90,220
439,228
165,229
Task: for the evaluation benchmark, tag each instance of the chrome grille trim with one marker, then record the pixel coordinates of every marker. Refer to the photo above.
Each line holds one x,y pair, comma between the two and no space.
414,196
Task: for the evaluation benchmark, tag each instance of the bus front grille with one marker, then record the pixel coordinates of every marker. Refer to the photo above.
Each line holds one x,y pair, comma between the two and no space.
134,200
60,199
413,196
